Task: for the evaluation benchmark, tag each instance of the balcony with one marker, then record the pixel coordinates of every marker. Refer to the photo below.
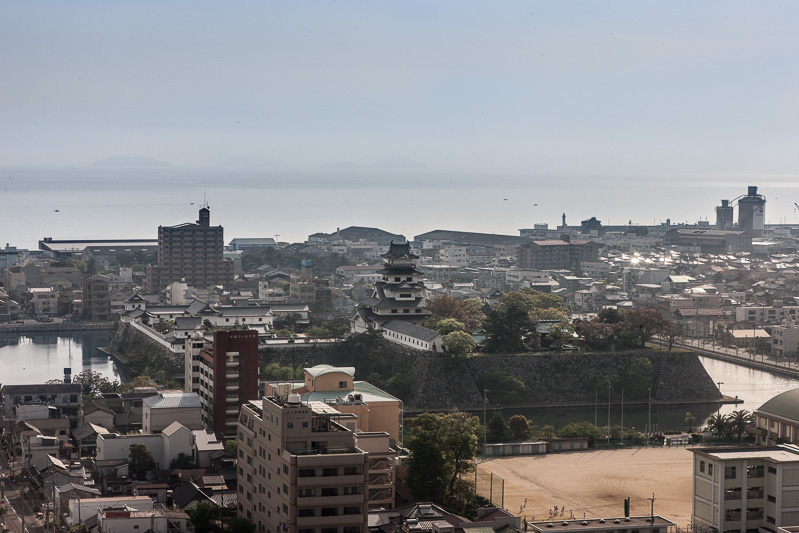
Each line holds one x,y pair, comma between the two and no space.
337,480
330,501
327,521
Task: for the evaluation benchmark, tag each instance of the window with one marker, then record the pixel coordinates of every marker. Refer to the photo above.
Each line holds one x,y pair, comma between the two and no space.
342,384
755,471
285,469
330,491
329,511
772,470
729,472
710,469
352,490
352,510
352,470
306,472
702,466
303,513
306,493
330,472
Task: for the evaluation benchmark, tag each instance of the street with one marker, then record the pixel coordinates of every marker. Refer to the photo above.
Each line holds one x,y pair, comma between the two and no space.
17,506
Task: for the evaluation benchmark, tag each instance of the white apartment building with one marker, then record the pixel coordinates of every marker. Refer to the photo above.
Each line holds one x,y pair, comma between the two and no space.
785,339
765,314
740,490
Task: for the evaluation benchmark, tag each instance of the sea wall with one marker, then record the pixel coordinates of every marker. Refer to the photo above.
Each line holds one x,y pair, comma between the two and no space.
134,351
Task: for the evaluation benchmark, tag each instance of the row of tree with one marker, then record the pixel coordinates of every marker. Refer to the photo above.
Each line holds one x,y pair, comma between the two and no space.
527,320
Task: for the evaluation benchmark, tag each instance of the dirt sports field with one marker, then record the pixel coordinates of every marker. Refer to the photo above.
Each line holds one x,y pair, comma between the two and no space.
596,483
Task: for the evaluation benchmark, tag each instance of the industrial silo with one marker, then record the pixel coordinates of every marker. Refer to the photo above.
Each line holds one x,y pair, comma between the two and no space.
724,217
752,212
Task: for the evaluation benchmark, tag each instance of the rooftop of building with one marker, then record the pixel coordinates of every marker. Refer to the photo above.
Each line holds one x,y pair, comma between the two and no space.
606,524
782,453
169,400
321,370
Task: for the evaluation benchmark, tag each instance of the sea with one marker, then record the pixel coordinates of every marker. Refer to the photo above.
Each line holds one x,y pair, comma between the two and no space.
290,204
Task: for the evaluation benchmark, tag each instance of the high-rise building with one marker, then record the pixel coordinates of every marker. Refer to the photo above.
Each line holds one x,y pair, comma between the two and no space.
193,253
225,376
96,301
301,470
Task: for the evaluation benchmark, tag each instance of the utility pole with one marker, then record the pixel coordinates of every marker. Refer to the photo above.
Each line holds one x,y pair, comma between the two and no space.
485,422
719,384
608,413
652,513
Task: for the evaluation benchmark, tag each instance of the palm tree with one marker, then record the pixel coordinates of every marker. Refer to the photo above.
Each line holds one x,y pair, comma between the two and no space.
718,424
739,420
689,419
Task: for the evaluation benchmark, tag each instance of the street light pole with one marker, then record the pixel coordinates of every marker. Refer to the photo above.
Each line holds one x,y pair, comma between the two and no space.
718,385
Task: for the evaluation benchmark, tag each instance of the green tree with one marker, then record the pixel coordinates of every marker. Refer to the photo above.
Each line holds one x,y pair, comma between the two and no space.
643,324
497,429
519,427
445,445
283,333
639,377
141,461
581,429
203,516
93,383
739,420
240,525
560,334
446,326
182,462
719,426
231,447
459,343
510,325
689,421
503,386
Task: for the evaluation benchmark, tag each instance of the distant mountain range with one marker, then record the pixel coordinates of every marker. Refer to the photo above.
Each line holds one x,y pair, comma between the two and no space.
127,161
250,162
398,161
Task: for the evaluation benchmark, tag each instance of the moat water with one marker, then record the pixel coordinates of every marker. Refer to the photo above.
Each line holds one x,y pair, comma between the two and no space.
39,358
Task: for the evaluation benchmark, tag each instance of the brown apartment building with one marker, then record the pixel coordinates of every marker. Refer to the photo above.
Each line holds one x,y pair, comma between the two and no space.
565,254
191,252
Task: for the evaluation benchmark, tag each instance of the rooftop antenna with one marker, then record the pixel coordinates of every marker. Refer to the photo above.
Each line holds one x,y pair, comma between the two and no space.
205,202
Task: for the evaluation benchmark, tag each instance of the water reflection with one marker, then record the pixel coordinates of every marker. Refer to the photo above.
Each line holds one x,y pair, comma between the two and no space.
39,358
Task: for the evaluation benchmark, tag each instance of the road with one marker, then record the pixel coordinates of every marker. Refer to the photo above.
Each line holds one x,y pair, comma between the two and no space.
16,503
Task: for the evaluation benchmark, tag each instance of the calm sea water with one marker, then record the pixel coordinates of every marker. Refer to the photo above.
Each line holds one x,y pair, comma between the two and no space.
40,358
107,203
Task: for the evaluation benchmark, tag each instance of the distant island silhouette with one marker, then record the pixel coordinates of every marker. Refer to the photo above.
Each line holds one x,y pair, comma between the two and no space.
128,161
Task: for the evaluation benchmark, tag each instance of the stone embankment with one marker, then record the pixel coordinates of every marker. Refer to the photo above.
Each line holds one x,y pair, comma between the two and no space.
32,327
439,382
132,348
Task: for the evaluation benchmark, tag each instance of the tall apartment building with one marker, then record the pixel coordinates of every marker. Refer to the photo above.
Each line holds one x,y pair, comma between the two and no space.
96,301
567,253
740,490
190,252
300,470
225,376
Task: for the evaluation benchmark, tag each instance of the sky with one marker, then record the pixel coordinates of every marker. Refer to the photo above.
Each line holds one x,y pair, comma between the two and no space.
605,89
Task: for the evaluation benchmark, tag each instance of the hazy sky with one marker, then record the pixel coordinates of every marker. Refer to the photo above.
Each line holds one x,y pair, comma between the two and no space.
570,88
